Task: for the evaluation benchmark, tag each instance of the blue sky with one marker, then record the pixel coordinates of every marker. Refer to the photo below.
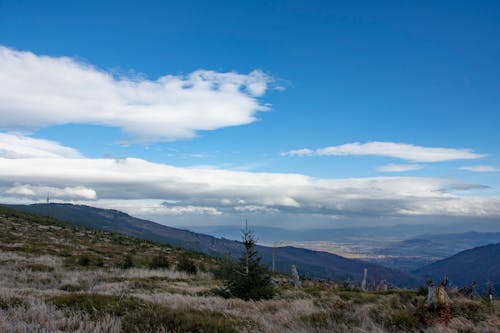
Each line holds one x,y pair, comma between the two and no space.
422,73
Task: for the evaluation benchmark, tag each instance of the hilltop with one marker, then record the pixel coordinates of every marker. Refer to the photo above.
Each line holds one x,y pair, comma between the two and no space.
480,264
32,234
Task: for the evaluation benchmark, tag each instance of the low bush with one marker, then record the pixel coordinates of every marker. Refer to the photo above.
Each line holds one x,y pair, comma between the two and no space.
95,305
127,262
186,264
83,261
40,268
159,261
395,317
358,297
403,322
99,262
10,302
474,311
156,318
138,316
71,287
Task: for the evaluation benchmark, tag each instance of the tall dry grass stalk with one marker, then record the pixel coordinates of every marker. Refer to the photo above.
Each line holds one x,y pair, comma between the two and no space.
37,316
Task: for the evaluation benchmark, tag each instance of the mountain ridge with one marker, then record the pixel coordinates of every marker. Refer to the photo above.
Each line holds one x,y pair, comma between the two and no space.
480,264
311,263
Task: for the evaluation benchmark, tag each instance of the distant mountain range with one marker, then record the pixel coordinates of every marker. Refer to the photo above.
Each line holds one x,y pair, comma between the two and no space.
310,263
480,264
394,232
415,252
441,245
402,247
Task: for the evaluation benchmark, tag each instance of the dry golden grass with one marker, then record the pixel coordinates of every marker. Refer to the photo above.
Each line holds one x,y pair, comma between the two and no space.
43,289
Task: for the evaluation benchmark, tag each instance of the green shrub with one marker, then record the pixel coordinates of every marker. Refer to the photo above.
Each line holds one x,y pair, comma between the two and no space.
127,262
10,302
138,316
221,292
471,310
202,267
99,262
395,321
403,322
334,313
317,320
155,318
422,291
95,305
358,297
41,268
71,287
186,264
223,269
83,261
314,291
159,261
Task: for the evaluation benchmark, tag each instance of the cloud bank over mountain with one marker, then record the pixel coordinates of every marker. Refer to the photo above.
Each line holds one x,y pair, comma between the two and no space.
177,190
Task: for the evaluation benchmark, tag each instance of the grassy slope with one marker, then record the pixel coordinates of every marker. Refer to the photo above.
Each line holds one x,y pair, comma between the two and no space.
43,289
310,263
42,235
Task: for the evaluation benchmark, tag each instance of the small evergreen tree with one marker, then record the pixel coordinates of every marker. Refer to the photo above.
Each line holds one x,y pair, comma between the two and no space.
247,278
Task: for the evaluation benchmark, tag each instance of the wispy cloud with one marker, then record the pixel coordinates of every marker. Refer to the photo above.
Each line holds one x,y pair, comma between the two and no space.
39,91
399,167
19,146
481,168
464,187
299,152
402,151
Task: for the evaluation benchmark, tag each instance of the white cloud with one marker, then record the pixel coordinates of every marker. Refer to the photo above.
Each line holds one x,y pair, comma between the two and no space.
77,192
399,167
152,207
18,146
213,192
481,168
402,151
181,210
299,152
39,91
251,209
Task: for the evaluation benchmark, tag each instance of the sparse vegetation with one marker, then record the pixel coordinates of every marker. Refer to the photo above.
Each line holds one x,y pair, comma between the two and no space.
127,262
43,288
155,318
